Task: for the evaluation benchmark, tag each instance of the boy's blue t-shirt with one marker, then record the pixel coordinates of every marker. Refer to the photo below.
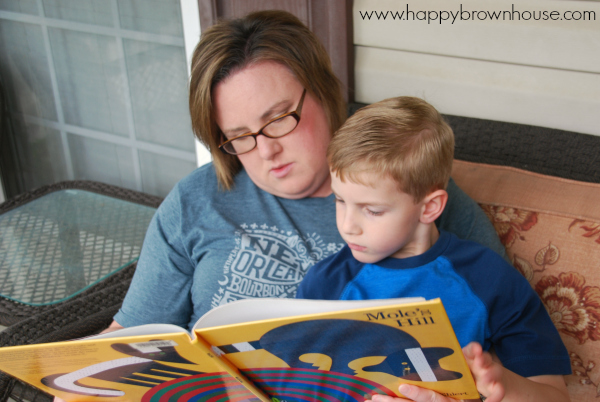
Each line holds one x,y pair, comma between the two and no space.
486,299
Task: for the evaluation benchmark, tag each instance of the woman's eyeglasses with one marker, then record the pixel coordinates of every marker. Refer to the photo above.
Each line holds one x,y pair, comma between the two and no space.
275,128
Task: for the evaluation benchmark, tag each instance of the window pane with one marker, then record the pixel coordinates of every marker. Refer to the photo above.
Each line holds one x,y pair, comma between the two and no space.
90,80
158,85
101,161
152,16
97,12
25,70
40,154
162,172
20,6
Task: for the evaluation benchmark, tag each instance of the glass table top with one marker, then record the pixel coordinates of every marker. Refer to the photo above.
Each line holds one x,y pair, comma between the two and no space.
58,245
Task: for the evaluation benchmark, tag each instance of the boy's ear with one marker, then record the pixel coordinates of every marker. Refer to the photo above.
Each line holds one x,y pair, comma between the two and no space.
433,205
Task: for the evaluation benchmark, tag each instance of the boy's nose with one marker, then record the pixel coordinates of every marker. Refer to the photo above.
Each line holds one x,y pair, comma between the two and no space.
268,147
350,225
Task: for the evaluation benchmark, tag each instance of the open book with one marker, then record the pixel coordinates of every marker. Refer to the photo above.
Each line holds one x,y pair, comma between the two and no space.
259,350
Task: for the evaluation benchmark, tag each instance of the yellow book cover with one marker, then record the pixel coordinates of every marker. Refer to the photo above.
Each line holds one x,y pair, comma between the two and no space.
259,350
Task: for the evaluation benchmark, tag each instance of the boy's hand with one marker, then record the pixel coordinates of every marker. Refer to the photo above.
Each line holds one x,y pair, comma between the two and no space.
416,394
493,381
487,373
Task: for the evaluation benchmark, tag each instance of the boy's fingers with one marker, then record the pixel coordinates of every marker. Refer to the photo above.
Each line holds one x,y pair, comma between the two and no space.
414,393
385,398
472,350
418,394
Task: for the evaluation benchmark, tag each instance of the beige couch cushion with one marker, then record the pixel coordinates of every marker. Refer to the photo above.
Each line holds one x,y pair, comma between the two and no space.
551,230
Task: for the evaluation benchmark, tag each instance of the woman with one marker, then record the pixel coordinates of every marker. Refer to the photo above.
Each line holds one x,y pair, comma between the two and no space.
265,102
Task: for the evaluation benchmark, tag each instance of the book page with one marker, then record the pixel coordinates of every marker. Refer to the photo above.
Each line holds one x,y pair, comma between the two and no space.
348,355
127,368
149,329
257,309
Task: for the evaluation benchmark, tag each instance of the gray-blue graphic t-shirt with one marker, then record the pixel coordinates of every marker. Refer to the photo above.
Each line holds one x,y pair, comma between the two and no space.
206,247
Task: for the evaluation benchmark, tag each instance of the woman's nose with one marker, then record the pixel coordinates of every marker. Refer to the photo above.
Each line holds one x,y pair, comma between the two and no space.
268,147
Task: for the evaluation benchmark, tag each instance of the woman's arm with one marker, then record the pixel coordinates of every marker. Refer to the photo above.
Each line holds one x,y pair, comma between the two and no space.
160,289
112,327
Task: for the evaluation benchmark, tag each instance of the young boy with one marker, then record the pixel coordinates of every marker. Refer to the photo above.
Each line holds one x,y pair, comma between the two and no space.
390,164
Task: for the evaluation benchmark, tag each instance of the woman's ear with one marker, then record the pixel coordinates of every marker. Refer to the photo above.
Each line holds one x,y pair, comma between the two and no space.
433,205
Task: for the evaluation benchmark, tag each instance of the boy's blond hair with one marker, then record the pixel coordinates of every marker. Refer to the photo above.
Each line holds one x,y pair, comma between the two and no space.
404,137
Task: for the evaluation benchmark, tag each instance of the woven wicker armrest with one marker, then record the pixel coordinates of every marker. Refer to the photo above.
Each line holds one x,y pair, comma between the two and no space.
14,312
84,315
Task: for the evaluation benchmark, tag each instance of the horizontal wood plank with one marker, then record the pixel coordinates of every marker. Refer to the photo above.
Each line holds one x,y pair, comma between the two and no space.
561,44
567,100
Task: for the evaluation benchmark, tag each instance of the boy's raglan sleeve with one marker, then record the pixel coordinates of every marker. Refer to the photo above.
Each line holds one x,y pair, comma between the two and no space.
311,286
327,279
521,331
525,338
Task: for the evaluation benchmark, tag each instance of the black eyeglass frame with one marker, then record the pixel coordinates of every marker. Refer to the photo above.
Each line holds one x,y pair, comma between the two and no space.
296,114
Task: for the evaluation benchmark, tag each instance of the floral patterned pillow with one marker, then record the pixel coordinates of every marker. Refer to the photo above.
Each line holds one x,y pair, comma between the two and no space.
551,230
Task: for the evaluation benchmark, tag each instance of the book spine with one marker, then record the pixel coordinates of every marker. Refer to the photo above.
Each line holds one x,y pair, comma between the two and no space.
231,369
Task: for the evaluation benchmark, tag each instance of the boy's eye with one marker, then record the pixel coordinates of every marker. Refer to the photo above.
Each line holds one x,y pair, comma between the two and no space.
374,213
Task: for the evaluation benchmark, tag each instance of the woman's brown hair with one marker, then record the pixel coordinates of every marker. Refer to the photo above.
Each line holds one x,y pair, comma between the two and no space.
229,46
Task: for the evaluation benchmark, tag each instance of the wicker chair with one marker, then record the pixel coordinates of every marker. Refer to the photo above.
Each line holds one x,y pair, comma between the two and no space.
85,314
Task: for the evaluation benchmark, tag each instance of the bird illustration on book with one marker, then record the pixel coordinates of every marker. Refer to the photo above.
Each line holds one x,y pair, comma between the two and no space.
347,341
141,368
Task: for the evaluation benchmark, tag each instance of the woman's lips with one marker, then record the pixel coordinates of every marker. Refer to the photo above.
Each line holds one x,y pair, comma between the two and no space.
281,171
